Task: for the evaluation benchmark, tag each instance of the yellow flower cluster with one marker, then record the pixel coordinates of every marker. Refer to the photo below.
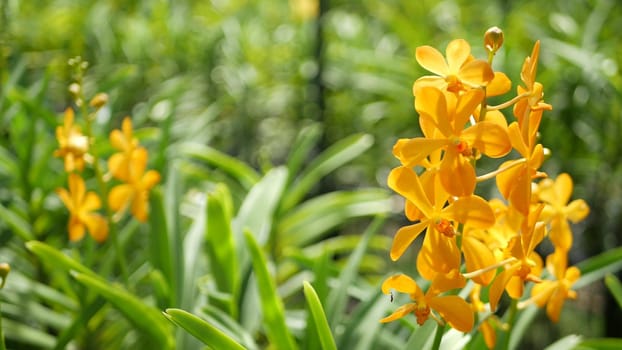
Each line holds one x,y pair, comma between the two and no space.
490,241
128,166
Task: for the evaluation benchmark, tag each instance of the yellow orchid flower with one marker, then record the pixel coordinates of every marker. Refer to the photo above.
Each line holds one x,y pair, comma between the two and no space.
81,206
515,182
528,264
124,141
442,123
553,294
452,308
72,144
558,211
436,218
460,72
135,193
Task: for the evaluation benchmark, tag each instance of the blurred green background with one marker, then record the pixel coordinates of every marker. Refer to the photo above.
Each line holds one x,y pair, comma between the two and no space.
245,76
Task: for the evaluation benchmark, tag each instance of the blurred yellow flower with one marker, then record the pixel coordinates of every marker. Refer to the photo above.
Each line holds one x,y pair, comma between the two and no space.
452,308
124,141
553,294
557,211
81,206
135,192
72,144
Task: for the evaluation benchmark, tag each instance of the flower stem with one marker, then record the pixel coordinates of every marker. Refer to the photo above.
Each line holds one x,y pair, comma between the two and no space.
488,268
492,174
440,330
510,322
103,191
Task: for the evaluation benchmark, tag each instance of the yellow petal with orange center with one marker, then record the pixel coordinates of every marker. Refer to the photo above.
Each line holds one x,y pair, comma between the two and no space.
432,60
454,310
404,237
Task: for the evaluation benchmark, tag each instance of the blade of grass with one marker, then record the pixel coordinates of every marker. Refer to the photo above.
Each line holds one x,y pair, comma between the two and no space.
319,318
246,175
219,243
202,330
331,159
144,317
337,300
159,243
271,305
615,287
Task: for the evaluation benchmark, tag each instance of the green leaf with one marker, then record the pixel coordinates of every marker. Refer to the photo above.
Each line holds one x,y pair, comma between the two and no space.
334,157
596,267
202,330
271,305
257,210
25,334
337,300
144,317
56,259
243,173
18,225
600,344
319,318
567,342
160,247
312,219
219,244
615,287
302,147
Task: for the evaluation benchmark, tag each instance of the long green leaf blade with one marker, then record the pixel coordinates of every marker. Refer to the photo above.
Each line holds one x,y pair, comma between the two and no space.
331,159
271,305
319,318
615,287
205,332
219,243
243,173
141,315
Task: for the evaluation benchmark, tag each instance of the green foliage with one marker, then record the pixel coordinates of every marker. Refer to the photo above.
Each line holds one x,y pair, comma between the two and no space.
264,122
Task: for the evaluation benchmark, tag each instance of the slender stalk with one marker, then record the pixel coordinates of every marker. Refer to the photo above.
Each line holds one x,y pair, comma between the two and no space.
440,330
492,174
488,268
511,319
103,189
509,103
